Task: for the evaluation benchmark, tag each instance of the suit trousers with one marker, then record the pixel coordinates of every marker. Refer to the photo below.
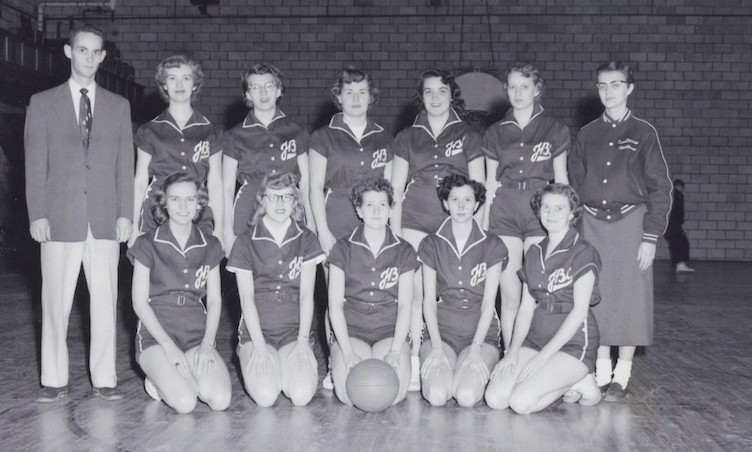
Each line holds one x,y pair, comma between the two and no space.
61,266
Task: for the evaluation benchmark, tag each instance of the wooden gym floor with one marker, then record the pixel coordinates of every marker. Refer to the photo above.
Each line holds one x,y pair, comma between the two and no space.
692,390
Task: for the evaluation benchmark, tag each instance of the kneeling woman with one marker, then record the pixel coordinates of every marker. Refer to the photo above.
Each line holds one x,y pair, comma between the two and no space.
461,270
275,266
555,337
174,267
370,290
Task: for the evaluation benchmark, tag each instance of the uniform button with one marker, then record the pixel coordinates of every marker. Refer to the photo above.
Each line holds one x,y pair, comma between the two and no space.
604,202
183,167
435,145
520,171
361,149
459,268
540,285
281,276
272,159
435,157
435,177
613,125
362,163
522,158
608,163
611,143
522,144
271,145
460,283
435,165
370,293
280,262
608,217
373,283
373,269
185,270
186,286
182,153
274,171
605,181
462,290
278,287
182,140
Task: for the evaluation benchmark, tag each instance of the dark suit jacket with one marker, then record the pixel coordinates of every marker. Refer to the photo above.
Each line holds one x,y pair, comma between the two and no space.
69,186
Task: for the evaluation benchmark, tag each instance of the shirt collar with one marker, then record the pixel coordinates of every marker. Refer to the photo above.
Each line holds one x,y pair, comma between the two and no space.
75,89
357,237
477,236
421,121
251,120
196,119
163,235
260,232
338,122
569,240
510,119
609,119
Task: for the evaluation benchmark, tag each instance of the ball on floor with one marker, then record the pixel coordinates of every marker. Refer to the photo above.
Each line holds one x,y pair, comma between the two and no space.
372,385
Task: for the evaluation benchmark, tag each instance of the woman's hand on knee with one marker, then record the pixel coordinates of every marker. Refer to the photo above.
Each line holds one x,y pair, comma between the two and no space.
204,360
178,360
434,362
532,365
261,362
506,367
474,363
302,356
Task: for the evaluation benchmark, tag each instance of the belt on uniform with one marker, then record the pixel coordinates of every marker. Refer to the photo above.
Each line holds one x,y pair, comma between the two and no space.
553,307
533,184
277,297
175,299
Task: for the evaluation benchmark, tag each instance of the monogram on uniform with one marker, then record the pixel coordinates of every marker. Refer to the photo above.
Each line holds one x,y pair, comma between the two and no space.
389,278
478,274
295,266
201,151
628,144
559,279
541,152
454,147
289,150
201,274
379,158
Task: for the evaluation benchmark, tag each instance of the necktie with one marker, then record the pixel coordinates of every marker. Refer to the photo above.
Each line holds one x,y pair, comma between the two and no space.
84,117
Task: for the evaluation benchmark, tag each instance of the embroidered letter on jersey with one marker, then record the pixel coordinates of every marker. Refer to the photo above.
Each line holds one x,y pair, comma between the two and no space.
201,274
294,266
389,278
541,152
454,147
379,158
289,150
201,151
559,279
478,274
628,144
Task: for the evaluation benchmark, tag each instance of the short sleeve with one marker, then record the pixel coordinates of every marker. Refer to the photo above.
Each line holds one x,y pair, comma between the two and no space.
144,138
215,140
473,144
227,144
241,256
496,252
400,145
319,142
427,253
408,258
302,140
312,248
562,139
142,251
586,259
214,254
338,254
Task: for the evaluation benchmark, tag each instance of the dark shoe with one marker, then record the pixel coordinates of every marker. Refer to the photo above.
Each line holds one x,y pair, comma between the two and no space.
108,393
49,394
604,388
615,393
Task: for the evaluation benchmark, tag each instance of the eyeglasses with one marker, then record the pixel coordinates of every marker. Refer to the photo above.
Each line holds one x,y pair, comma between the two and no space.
266,87
287,197
613,85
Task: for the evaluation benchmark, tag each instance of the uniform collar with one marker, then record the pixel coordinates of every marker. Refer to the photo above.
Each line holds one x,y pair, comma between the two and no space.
338,122
260,232
196,119
510,119
251,121
569,240
163,235
421,121
477,236
357,237
610,120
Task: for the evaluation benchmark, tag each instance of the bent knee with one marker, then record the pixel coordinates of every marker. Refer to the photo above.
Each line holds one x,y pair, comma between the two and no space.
522,404
496,400
183,404
219,401
300,396
436,396
467,397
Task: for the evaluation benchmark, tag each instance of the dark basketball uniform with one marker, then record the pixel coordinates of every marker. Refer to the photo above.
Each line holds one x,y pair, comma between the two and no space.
430,159
276,278
461,281
349,162
551,282
177,283
526,163
372,282
261,150
174,150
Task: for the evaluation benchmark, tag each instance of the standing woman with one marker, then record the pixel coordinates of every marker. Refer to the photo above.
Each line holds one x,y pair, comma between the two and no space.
180,139
618,168
275,266
461,270
438,144
266,142
174,268
524,151
370,290
344,153
555,336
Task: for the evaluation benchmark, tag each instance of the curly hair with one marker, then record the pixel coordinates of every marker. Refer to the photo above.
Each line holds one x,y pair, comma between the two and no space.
351,74
379,185
558,189
527,71
262,69
616,66
277,181
159,208
447,79
458,180
175,61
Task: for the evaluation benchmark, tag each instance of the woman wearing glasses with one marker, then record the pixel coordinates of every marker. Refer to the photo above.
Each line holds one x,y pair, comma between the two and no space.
524,151
618,168
180,139
347,151
275,266
266,142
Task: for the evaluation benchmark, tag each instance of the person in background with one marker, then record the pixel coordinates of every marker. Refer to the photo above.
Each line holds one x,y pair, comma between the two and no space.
678,243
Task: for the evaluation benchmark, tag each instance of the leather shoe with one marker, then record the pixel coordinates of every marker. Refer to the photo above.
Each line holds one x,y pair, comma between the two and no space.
49,394
108,393
615,393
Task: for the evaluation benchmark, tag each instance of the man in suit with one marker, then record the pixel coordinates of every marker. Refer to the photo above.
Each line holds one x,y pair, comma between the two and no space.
79,192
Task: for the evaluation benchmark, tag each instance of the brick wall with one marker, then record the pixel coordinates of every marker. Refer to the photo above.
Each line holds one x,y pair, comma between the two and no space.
692,57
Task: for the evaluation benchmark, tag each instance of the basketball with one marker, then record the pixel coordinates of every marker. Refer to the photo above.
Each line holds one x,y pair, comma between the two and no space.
372,385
